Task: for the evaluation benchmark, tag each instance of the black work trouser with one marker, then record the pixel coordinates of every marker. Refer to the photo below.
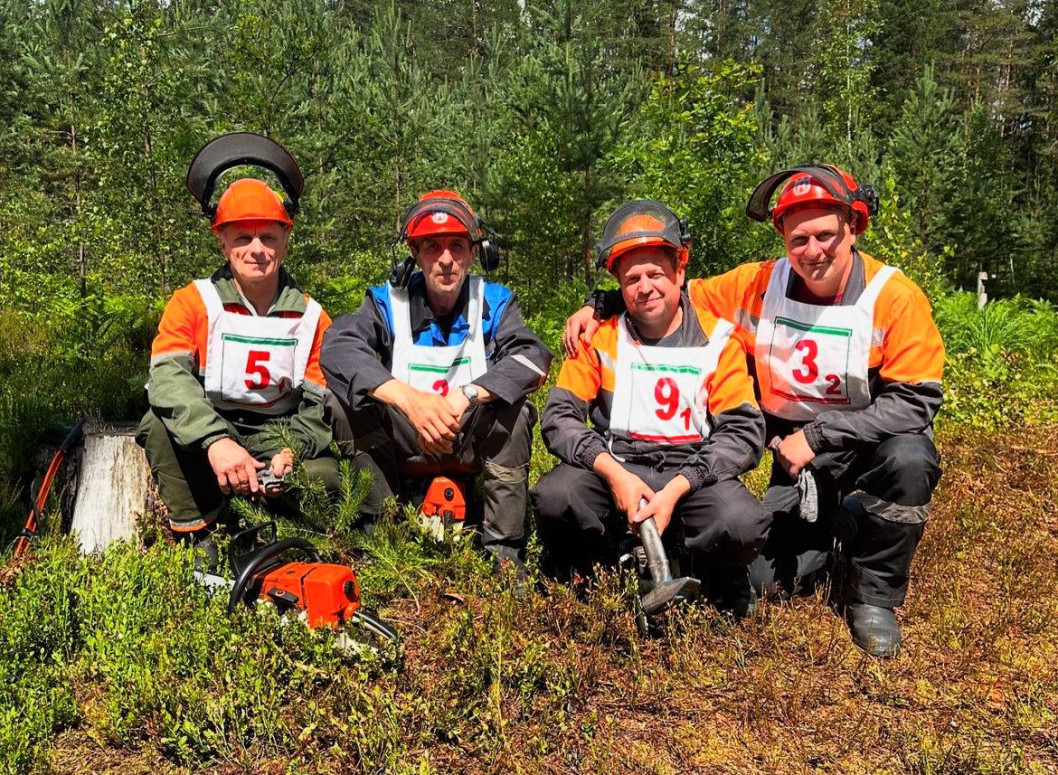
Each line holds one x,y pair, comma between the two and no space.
579,525
869,538
494,439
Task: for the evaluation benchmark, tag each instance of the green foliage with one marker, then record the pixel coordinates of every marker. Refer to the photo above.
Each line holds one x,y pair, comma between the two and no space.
1001,369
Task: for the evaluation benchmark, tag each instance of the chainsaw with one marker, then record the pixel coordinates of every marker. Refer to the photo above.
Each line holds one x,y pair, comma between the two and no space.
323,594
444,508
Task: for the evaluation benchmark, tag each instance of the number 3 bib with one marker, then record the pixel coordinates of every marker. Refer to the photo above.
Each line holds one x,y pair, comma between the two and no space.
252,362
812,358
661,393
438,369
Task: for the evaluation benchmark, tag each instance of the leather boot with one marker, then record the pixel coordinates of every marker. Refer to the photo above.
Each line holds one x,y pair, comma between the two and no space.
874,629
730,590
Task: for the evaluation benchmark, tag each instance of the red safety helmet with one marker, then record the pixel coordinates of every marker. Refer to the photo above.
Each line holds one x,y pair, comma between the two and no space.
423,220
249,199
638,224
814,185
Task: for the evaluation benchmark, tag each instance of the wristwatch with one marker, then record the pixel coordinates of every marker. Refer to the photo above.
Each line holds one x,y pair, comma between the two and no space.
472,393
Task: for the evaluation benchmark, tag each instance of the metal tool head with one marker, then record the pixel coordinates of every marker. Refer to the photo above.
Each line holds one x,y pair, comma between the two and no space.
666,593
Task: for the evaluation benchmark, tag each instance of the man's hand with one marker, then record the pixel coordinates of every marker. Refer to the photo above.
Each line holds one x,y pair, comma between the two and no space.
236,469
663,504
283,462
458,402
435,421
793,452
582,324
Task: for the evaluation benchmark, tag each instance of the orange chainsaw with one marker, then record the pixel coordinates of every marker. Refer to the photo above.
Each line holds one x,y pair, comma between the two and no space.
444,508
325,594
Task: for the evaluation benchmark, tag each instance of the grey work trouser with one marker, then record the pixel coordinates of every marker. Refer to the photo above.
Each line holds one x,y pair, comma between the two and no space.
869,537
579,525
494,439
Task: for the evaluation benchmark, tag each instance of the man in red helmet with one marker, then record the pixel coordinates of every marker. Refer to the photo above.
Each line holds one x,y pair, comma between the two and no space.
234,353
673,422
435,368
848,365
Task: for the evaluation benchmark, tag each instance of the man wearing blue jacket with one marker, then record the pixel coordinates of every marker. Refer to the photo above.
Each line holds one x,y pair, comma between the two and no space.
434,369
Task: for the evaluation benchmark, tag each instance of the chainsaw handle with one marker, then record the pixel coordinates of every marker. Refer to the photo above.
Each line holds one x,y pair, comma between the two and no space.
263,556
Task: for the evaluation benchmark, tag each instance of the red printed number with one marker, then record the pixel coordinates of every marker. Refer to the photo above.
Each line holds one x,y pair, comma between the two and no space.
809,350
667,394
834,388
440,387
255,365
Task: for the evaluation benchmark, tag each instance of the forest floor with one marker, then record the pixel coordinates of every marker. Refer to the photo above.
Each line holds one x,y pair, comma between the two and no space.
492,683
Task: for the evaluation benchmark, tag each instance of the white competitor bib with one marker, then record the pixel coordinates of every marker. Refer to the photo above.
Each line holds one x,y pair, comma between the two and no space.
813,358
661,393
252,362
438,369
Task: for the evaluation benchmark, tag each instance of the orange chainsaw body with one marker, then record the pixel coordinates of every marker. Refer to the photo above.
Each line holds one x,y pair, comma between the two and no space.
444,499
327,593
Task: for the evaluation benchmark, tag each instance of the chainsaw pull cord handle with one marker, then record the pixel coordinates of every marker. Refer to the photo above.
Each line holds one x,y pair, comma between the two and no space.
657,559
265,555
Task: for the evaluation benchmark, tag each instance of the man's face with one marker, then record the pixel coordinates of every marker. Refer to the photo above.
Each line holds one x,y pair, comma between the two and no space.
819,243
650,284
445,260
254,249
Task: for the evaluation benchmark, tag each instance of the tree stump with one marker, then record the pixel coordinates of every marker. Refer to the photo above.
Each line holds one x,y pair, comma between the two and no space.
114,487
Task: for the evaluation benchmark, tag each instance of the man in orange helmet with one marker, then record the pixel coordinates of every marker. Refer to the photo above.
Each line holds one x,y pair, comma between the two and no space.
673,422
848,365
234,353
435,368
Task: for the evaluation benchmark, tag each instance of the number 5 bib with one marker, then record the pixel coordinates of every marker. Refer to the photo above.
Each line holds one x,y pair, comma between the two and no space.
812,358
661,393
253,362
438,369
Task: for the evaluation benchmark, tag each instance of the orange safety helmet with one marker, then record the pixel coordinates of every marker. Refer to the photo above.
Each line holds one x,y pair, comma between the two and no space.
249,199
640,223
814,185
425,221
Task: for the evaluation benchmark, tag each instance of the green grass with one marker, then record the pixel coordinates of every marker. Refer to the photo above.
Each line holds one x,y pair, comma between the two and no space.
122,660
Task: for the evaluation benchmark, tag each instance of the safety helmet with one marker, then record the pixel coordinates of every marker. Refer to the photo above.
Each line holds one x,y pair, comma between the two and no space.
641,223
814,185
249,199
451,215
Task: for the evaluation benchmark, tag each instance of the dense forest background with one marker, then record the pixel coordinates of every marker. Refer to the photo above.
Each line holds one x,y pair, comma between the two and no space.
544,114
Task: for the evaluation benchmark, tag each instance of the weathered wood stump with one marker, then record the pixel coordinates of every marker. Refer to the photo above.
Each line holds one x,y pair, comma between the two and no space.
114,487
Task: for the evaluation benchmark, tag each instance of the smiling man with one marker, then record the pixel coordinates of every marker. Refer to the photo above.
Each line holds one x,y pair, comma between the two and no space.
435,368
234,354
848,365
673,422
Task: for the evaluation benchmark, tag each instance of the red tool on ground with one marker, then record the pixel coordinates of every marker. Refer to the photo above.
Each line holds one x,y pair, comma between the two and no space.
444,508
326,593
33,520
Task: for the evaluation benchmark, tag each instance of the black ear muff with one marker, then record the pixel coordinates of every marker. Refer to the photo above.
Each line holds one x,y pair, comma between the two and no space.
488,255
402,272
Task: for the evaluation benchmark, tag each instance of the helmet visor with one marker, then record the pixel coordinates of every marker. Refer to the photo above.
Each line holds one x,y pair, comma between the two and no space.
638,223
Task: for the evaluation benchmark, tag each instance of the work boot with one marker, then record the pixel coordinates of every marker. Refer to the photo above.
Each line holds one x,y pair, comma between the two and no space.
874,629
730,591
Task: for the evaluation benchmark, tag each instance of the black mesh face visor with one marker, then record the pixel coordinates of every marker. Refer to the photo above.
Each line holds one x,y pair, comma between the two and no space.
641,219
238,148
452,207
759,206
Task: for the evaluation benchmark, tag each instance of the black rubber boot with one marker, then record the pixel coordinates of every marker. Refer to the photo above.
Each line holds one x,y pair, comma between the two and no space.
730,591
874,629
